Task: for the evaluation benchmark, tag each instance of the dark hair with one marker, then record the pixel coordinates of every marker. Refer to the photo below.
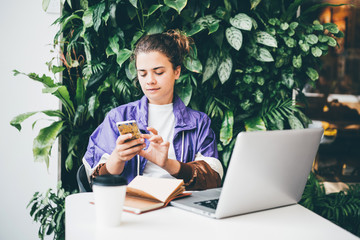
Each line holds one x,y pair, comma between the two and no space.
172,44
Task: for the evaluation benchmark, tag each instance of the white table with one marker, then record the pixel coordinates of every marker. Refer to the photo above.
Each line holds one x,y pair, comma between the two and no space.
291,222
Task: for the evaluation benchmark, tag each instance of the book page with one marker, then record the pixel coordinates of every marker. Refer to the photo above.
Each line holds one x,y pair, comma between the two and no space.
160,188
138,205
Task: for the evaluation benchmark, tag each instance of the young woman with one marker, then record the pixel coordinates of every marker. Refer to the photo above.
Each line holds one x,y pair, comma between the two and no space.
176,141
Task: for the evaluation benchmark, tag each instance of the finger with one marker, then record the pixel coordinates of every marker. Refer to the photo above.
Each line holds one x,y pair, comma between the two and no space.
147,136
166,143
123,138
131,152
156,139
153,138
153,130
121,146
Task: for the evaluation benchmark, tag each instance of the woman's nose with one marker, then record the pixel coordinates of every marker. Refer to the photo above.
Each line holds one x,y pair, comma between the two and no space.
151,79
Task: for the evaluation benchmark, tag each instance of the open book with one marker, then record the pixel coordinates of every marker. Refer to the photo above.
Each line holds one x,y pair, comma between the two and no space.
148,193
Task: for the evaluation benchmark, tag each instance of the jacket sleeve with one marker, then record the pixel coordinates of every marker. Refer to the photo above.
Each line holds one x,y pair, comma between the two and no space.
198,175
206,139
101,143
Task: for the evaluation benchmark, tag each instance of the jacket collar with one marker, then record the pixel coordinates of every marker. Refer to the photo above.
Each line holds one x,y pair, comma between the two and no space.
183,118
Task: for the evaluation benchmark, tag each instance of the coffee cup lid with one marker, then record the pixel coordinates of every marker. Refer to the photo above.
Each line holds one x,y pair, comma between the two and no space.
109,180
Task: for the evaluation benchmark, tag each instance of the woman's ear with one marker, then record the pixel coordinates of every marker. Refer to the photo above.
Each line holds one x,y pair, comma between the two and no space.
177,72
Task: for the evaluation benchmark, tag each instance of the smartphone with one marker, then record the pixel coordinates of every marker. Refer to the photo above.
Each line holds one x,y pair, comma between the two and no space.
130,126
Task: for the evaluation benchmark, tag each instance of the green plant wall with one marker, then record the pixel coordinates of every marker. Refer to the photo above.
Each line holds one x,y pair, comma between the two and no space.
248,60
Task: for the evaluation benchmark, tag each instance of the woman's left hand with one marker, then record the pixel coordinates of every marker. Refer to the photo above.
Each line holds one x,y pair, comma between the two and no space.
157,152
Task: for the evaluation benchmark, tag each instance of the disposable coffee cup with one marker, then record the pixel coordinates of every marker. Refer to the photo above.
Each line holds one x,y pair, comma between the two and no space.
109,196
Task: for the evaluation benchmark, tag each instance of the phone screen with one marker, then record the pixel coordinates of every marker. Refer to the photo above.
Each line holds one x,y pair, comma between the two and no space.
126,127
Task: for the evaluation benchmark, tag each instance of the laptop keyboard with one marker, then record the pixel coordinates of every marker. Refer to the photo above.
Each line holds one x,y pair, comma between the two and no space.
209,203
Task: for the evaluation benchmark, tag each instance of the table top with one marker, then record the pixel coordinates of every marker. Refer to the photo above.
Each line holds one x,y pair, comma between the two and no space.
291,222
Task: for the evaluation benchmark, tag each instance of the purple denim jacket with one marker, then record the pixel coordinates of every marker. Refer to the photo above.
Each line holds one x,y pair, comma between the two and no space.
193,125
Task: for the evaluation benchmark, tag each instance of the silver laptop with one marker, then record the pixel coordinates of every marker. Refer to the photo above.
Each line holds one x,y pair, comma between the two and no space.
268,169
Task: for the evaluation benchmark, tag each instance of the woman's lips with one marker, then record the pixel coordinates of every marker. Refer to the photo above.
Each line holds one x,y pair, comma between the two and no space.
152,89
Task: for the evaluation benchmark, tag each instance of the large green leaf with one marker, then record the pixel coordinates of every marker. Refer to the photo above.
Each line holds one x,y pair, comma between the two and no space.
241,21
69,162
62,93
312,74
264,55
44,141
87,19
193,65
135,38
178,5
195,28
93,105
130,70
97,14
234,37
45,80
255,124
211,65
133,2
154,26
265,39
226,153
114,44
207,20
295,123
226,131
123,55
54,113
80,91
224,69
16,121
153,9
74,140
184,91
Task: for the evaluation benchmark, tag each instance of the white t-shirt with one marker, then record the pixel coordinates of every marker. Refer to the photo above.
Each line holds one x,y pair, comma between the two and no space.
161,117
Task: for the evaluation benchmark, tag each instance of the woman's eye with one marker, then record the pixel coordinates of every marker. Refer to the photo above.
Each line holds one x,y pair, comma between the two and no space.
159,73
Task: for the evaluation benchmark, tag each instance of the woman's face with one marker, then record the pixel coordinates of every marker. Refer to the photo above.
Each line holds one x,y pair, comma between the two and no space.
157,77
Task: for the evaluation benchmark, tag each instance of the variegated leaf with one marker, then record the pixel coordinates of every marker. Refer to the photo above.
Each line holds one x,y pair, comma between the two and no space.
224,69
207,20
234,37
264,55
241,21
265,39
211,65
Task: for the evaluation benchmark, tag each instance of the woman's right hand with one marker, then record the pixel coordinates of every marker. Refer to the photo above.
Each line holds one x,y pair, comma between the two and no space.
124,151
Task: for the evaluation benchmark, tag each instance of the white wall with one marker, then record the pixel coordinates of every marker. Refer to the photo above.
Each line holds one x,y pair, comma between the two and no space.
25,35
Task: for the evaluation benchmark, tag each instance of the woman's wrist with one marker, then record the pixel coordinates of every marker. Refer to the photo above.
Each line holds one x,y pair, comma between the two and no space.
114,165
172,166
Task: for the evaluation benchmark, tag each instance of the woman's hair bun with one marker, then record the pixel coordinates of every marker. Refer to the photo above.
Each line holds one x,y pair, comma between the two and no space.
173,43
181,39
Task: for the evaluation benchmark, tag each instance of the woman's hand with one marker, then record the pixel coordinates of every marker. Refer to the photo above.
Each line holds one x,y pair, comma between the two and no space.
124,151
157,152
